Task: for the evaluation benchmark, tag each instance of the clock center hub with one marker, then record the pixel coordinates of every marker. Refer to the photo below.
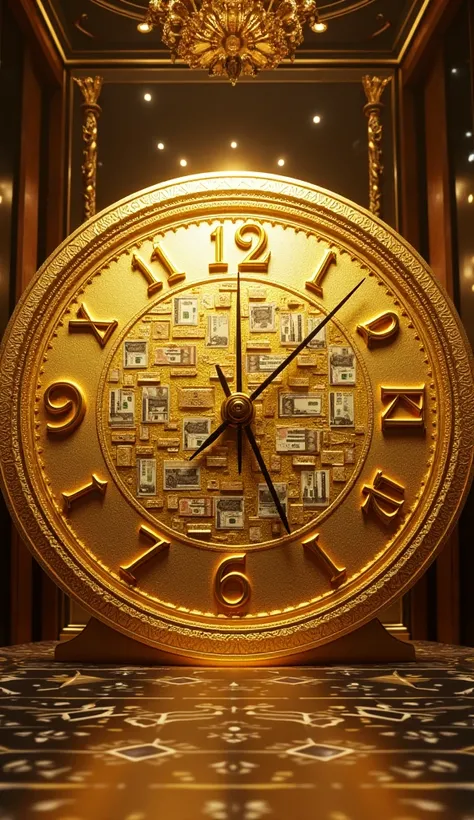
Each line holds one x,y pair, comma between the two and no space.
237,409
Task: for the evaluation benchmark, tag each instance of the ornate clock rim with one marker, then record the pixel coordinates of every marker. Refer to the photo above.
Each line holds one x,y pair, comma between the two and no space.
278,192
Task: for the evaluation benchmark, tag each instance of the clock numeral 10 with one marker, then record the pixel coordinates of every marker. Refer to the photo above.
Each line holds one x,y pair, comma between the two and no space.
231,586
256,260
100,329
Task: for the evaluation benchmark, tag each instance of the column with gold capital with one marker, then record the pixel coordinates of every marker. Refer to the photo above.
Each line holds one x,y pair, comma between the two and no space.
374,88
90,88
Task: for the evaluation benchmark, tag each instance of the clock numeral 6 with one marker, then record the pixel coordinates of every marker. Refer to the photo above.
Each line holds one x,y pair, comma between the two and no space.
231,586
64,399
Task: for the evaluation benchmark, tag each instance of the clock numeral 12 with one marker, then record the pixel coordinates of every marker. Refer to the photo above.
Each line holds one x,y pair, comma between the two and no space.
256,260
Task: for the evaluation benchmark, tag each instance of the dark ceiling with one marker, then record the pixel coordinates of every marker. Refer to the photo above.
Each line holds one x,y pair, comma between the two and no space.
368,30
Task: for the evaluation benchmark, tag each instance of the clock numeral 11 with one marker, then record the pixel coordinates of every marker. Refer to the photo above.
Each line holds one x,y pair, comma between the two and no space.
155,284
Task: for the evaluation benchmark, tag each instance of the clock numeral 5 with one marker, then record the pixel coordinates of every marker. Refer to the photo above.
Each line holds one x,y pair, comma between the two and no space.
67,400
231,586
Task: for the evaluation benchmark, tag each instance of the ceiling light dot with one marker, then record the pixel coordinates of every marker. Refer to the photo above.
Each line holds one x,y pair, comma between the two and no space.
281,162
319,27
470,198
454,71
161,146
183,163
316,119
471,157
468,133
144,28
233,144
147,97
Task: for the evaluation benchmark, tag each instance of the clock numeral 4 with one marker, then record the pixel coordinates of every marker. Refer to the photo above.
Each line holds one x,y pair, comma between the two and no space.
380,329
231,586
67,400
159,544
385,497
406,407
336,574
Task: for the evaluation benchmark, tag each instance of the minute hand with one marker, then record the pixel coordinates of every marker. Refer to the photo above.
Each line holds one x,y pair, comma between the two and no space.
261,387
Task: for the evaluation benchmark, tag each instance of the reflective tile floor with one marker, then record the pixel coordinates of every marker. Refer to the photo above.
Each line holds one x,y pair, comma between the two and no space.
332,743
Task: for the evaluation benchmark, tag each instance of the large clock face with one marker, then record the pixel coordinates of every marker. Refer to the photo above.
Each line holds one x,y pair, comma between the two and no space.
212,448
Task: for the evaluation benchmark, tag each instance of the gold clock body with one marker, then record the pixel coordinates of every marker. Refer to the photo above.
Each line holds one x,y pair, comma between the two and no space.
109,384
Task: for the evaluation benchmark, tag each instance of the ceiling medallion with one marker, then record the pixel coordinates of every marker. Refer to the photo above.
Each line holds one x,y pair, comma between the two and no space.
233,37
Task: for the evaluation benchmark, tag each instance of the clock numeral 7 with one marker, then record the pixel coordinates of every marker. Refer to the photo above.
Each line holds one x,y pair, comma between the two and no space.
231,586
256,260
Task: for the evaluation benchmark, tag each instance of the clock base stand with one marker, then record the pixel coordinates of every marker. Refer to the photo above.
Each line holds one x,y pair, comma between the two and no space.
99,643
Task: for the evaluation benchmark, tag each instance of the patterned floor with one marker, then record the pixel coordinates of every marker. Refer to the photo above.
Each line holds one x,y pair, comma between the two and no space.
358,743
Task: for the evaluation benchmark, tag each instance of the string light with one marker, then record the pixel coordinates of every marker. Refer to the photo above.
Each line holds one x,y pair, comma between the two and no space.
147,97
281,162
183,163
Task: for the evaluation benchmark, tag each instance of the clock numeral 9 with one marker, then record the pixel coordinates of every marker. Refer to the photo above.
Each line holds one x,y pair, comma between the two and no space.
256,260
67,400
231,586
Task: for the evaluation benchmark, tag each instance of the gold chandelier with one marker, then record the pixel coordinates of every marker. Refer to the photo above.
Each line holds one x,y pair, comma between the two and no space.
232,37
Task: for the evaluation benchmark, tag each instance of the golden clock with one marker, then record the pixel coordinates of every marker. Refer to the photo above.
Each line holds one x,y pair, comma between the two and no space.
237,416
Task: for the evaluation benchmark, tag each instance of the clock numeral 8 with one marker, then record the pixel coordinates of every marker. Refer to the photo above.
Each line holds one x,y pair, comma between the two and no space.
67,400
231,586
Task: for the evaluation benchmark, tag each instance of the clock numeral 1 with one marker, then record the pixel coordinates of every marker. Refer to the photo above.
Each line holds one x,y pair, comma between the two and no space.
84,323
336,574
159,544
231,586
406,408
329,258
218,266
253,263
380,329
95,485
72,407
384,496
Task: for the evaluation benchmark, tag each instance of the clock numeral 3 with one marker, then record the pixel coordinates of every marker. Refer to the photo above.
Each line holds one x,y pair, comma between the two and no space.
231,586
406,407
67,400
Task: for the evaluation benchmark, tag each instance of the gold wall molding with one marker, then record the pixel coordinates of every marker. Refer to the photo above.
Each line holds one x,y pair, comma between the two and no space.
91,88
374,87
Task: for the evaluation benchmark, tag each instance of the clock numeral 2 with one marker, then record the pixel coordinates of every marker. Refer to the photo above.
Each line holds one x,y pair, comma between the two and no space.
336,574
231,586
67,400
159,544
380,329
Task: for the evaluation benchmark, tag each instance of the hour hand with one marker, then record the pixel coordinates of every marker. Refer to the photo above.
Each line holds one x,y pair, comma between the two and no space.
266,475
210,439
